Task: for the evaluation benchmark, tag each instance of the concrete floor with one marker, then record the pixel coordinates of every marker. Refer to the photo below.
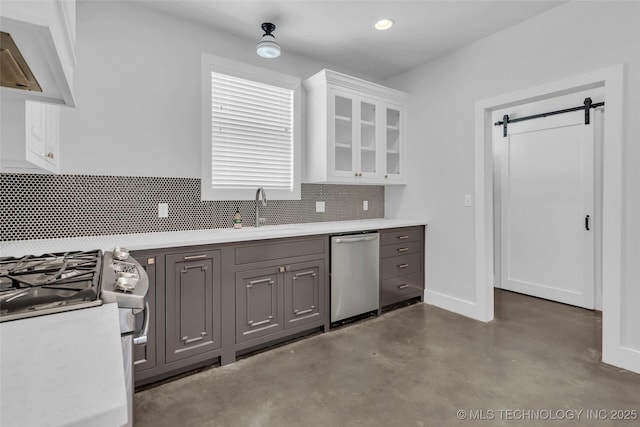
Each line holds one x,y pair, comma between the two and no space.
416,366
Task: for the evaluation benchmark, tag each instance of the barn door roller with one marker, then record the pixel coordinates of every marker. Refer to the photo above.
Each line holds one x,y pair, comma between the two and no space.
588,105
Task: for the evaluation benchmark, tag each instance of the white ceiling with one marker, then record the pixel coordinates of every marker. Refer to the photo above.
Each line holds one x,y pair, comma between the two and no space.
342,33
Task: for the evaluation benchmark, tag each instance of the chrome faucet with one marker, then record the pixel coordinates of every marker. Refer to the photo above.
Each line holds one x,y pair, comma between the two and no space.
259,220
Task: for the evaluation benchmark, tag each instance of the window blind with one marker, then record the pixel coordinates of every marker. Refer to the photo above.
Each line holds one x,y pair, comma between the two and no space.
251,134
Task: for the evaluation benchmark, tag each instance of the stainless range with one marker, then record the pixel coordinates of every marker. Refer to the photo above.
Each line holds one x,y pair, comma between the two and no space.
53,283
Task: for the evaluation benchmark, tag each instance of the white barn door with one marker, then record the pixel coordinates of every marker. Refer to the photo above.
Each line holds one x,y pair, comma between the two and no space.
546,187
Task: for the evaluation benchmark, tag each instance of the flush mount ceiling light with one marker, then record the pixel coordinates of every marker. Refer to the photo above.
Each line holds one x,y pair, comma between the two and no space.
384,24
267,46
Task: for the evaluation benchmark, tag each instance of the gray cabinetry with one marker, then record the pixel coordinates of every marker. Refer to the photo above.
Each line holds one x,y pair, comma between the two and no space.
259,303
401,264
192,304
303,287
286,295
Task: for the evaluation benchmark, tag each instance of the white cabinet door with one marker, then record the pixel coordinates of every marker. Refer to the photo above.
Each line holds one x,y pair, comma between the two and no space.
342,135
354,137
42,134
368,137
393,147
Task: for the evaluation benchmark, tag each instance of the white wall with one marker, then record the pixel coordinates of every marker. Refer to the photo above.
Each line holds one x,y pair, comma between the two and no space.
570,40
137,90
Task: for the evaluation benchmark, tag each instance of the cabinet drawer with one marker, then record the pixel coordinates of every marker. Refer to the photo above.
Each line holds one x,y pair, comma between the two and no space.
396,287
400,249
401,235
400,265
277,250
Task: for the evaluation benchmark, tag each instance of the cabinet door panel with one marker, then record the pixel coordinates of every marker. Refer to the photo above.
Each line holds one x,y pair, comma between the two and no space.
342,134
394,147
193,304
258,303
42,134
144,355
368,166
304,300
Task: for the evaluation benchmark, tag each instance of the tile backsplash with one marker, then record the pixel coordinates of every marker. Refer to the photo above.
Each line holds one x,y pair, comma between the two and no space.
35,206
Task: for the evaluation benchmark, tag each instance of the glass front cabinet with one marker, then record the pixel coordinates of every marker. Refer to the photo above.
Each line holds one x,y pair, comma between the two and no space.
355,131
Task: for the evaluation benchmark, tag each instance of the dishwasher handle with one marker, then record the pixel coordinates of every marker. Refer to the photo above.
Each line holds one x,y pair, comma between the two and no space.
355,239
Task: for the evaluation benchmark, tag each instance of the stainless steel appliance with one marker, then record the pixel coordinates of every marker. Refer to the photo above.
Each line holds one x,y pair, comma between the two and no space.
125,282
52,283
354,274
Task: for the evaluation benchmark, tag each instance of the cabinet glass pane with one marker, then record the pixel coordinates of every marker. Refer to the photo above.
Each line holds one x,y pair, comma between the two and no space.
343,134
392,145
367,137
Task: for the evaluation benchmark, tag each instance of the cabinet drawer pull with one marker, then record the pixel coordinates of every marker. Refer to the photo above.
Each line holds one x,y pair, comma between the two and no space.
404,286
402,237
194,256
188,340
300,313
403,265
262,322
402,249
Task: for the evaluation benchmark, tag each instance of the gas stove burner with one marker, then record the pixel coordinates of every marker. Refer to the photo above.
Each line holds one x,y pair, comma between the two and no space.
48,283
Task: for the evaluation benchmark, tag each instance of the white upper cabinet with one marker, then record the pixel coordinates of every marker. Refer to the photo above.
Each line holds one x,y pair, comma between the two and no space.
355,131
29,136
44,33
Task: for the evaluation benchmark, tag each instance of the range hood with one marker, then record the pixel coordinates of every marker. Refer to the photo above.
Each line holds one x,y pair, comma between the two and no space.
38,50
14,70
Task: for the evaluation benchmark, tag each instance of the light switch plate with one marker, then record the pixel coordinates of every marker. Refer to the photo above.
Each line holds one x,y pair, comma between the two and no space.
319,206
365,205
163,210
467,200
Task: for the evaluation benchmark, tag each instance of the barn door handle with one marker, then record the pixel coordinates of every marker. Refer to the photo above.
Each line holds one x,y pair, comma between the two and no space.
586,223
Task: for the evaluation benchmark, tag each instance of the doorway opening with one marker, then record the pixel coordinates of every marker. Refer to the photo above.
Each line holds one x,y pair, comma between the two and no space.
612,82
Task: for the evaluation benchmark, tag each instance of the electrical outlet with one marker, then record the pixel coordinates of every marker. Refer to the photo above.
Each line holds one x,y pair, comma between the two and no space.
467,200
163,210
365,205
319,206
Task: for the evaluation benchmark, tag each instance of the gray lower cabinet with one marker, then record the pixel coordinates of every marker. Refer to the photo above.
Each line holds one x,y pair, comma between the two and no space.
401,264
192,304
303,288
259,303
273,299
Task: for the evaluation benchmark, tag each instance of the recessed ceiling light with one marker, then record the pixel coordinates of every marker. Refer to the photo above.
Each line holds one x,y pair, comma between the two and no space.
384,24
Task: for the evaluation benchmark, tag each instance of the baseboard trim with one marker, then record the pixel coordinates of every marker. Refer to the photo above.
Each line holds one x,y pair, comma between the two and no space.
456,305
623,357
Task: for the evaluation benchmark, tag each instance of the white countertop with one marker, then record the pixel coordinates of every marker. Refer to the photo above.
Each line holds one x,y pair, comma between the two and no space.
63,369
196,237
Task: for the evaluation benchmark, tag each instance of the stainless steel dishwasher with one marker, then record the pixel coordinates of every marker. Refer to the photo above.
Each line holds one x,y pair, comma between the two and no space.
354,274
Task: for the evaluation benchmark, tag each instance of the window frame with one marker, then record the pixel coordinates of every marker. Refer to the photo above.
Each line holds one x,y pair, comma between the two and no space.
212,63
